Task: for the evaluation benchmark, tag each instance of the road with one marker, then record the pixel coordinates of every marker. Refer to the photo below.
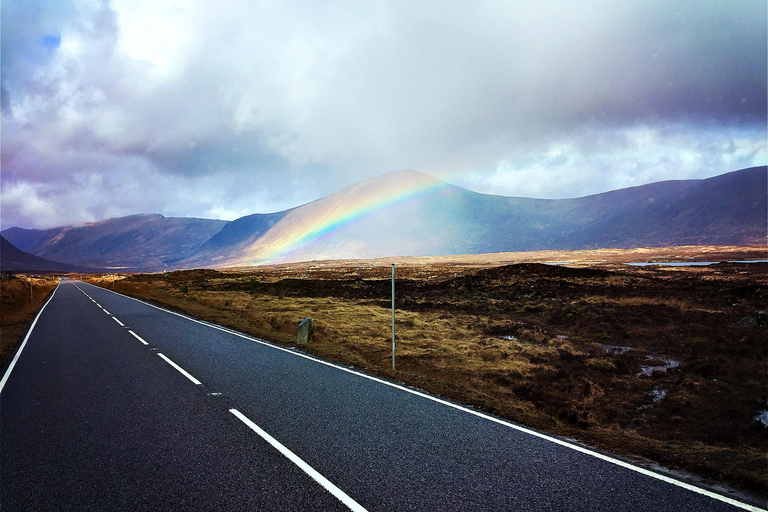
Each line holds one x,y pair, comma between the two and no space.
114,404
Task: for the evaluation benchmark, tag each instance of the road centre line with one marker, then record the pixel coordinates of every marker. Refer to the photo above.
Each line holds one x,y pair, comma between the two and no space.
309,470
118,321
24,343
499,421
181,370
137,337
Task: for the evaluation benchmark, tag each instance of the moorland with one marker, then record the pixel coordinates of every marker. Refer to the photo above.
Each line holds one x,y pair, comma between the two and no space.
661,364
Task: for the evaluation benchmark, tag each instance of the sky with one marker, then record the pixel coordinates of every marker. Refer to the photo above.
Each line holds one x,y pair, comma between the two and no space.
224,109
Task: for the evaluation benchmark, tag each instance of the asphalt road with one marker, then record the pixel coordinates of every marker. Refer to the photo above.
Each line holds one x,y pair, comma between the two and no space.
113,404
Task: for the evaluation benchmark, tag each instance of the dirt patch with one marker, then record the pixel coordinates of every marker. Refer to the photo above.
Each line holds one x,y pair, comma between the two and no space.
640,361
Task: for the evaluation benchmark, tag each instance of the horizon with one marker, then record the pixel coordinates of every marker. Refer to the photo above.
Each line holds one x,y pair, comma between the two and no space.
193,110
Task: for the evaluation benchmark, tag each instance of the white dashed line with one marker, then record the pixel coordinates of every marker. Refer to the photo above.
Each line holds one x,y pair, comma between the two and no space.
118,321
181,370
309,470
137,337
107,312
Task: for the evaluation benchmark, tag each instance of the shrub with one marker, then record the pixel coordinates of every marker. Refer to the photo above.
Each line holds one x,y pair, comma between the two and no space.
601,364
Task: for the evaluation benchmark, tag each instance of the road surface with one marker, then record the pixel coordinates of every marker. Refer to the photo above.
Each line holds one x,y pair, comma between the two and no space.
114,404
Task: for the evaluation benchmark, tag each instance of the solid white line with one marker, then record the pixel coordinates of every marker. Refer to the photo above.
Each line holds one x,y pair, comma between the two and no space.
181,370
23,343
309,470
137,337
499,421
118,321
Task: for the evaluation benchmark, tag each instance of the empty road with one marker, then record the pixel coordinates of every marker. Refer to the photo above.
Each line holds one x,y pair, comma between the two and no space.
114,404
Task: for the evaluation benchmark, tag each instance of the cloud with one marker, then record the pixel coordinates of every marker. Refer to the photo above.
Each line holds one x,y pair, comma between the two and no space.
292,100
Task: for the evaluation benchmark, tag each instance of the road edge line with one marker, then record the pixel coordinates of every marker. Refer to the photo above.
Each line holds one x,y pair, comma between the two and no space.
24,343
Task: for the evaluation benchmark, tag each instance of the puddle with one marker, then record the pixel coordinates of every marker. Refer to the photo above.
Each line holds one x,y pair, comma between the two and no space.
509,337
666,364
615,349
657,394
762,418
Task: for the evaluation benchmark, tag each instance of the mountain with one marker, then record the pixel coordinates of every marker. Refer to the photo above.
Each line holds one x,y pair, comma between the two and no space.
233,237
410,213
15,260
147,242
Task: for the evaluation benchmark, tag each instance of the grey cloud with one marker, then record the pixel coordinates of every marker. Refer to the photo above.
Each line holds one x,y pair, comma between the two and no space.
296,100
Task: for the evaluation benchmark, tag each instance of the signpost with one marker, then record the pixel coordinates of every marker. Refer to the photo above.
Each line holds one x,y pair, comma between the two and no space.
393,316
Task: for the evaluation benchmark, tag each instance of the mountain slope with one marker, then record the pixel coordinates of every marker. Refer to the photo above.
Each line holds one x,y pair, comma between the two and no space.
410,213
133,242
15,260
233,237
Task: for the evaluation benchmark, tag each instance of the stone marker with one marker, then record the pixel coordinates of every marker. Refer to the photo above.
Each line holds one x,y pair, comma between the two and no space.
305,331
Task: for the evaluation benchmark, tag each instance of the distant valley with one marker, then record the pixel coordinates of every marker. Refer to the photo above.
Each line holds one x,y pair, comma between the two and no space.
407,213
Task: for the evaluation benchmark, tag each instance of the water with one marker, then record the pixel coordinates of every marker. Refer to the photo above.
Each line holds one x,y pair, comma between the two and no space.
657,395
668,363
615,349
689,263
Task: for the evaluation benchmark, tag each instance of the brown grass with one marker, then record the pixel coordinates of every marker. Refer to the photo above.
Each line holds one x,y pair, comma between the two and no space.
18,307
540,345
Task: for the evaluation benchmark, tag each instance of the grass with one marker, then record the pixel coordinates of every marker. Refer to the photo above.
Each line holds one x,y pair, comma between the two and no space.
19,307
528,343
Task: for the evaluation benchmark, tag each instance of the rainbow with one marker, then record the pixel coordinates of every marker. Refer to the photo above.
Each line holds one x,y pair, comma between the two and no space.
324,217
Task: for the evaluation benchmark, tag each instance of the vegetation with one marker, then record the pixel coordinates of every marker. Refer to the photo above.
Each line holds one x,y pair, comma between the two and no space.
20,304
639,361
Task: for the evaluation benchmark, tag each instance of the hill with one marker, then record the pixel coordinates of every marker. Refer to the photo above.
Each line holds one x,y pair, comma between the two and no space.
410,213
147,242
14,259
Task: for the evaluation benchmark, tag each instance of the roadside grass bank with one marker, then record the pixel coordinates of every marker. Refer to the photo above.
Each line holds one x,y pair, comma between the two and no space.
18,307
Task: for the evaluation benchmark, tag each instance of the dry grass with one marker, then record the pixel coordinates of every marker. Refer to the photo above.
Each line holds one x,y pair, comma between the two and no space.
532,344
18,307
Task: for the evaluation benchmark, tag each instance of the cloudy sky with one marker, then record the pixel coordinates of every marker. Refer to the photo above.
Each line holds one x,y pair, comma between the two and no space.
222,109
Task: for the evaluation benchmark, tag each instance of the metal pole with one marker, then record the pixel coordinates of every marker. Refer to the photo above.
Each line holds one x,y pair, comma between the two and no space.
393,316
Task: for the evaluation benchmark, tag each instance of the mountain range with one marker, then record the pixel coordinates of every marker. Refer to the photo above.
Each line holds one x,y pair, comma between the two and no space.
407,213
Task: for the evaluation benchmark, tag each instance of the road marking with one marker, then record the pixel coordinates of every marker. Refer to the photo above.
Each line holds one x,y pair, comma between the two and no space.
309,470
118,321
181,370
107,312
137,337
24,343
519,428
